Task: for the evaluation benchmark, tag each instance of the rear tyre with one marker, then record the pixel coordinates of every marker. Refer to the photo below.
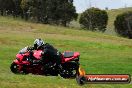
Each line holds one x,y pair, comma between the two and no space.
69,70
80,80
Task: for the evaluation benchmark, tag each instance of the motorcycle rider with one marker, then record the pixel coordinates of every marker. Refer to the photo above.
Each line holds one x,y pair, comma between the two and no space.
48,52
38,44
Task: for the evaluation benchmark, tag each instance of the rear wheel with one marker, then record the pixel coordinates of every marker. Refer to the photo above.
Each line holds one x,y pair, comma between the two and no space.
80,80
69,70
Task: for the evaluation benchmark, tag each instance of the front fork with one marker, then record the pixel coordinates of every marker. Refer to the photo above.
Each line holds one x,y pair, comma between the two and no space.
21,65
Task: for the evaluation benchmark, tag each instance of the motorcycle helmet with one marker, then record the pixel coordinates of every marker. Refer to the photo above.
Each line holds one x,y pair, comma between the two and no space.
38,43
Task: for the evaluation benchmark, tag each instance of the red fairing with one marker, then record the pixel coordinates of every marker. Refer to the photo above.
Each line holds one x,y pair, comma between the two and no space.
21,63
16,61
75,55
37,54
20,56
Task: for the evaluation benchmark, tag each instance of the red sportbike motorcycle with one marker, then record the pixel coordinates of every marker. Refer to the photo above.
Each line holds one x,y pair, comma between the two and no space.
24,65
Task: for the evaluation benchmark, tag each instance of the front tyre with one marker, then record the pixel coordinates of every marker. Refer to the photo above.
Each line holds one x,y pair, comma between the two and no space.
14,68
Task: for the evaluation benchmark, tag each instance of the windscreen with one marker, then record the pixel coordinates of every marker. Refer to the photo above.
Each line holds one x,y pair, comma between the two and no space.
22,51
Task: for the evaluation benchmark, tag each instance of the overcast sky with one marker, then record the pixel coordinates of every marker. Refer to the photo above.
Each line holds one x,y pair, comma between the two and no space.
82,5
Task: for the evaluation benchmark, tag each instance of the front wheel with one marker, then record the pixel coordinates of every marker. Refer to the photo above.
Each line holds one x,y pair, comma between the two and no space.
14,68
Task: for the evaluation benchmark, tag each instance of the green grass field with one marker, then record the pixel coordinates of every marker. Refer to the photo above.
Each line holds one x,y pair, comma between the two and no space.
100,53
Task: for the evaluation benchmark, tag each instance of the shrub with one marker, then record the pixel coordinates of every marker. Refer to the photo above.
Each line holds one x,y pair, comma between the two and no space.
123,24
94,19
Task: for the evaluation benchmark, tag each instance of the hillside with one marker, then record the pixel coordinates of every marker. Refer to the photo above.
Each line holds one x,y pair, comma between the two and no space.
112,16
100,53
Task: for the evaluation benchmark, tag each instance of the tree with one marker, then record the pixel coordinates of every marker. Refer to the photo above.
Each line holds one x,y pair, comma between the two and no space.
69,12
17,9
6,6
123,24
94,19
35,9
60,12
25,7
